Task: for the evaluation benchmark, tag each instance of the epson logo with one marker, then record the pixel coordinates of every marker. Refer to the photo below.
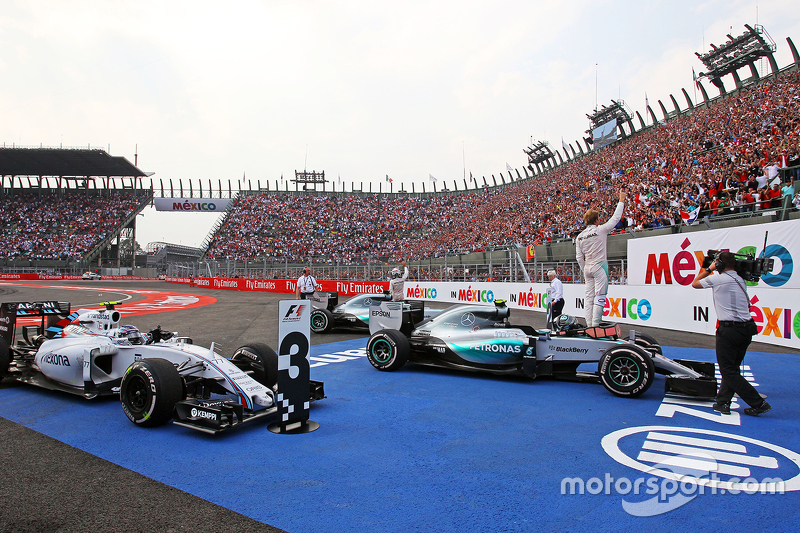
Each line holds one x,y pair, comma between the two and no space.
197,413
381,313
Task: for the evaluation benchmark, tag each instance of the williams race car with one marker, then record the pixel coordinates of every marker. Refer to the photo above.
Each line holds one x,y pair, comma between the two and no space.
354,314
158,375
479,338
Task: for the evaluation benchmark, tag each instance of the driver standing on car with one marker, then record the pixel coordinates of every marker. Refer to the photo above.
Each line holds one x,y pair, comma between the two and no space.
398,282
734,333
591,253
306,285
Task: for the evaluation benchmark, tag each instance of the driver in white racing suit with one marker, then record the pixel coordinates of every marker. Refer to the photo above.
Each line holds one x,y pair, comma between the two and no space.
397,283
591,253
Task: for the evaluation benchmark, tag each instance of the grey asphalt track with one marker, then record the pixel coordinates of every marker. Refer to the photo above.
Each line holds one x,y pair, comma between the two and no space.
50,486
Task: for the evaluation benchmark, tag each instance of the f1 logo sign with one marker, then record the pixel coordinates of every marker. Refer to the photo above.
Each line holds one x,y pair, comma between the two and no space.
295,311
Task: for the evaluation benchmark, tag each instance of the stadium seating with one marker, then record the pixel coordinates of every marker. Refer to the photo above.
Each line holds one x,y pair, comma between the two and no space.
51,225
693,166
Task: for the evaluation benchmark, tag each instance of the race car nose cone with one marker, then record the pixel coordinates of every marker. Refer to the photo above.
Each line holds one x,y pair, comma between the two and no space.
265,401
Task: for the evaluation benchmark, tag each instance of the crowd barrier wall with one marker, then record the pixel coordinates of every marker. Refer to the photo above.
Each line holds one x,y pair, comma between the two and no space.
679,308
345,288
51,277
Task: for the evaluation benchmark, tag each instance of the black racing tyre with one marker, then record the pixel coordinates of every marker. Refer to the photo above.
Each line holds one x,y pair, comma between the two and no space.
648,343
321,321
259,359
388,350
149,391
626,370
5,357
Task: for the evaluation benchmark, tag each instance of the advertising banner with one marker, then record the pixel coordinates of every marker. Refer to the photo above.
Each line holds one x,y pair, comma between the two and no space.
192,205
676,259
776,311
345,288
50,277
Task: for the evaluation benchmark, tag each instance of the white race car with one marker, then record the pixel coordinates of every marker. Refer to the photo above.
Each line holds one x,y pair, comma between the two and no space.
91,275
158,376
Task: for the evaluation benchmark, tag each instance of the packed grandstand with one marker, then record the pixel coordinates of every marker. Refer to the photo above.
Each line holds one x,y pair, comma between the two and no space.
42,224
717,160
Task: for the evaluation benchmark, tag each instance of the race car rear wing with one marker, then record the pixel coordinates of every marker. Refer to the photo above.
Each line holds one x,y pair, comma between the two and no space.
9,311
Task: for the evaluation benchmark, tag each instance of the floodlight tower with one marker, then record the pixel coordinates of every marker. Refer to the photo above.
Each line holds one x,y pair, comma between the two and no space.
539,153
736,53
309,178
617,112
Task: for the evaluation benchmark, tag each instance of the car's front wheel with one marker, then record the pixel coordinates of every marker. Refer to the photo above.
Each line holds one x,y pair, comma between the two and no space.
149,391
388,350
321,321
626,370
261,361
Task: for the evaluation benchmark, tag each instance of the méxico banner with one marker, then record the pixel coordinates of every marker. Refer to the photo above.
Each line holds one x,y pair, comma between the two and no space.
674,260
196,205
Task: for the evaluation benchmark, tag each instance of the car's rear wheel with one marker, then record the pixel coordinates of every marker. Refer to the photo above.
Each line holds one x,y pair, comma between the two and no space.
626,370
5,357
261,361
321,321
388,350
149,391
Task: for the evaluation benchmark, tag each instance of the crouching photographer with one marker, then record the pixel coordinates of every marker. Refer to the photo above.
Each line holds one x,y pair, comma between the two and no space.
735,331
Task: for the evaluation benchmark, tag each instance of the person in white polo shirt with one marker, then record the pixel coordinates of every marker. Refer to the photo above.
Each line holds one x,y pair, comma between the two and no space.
306,285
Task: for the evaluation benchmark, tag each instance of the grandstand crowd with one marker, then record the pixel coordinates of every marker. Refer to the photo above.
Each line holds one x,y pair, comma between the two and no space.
718,160
49,225
714,161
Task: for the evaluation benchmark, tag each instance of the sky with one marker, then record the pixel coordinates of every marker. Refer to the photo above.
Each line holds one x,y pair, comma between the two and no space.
360,89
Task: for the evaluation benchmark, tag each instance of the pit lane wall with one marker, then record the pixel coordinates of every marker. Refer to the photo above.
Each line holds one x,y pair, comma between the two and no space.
345,288
51,277
680,308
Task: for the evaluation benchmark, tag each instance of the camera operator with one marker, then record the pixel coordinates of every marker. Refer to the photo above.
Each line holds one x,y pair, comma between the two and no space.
734,333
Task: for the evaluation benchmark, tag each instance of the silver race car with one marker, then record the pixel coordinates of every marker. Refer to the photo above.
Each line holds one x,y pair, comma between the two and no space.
157,375
480,338
354,314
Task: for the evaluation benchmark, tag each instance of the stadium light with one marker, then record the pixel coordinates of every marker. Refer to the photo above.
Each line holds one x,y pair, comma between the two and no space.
736,53
616,111
538,152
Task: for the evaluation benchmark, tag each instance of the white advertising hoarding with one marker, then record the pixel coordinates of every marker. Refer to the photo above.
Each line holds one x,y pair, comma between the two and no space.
776,312
675,259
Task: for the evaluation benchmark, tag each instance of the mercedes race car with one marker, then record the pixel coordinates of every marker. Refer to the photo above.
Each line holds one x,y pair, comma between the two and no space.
354,314
91,275
480,338
158,375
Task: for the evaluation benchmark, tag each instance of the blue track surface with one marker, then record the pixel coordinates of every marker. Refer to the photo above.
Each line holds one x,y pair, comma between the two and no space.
428,450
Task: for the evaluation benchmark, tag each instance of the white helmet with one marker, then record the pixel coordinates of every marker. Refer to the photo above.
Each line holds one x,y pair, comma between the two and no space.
395,272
